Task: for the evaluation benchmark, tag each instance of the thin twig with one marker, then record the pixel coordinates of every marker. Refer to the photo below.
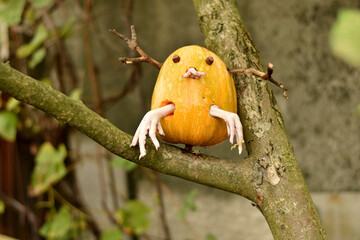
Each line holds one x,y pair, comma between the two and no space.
133,44
61,199
162,207
265,76
14,204
128,87
175,203
103,186
89,60
112,184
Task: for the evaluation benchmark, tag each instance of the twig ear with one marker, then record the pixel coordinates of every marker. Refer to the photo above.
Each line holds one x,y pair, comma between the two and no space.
133,44
265,76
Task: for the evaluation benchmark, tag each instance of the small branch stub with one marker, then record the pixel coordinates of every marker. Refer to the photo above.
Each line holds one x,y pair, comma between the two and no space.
265,76
273,177
133,44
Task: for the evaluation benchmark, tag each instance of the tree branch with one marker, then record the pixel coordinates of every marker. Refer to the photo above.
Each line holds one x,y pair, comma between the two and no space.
283,196
263,75
219,173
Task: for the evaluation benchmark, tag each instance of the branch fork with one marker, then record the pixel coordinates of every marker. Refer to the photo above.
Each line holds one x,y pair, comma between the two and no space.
133,44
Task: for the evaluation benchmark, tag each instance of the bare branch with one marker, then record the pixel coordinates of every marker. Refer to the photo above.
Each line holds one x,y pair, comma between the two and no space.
265,76
133,44
167,159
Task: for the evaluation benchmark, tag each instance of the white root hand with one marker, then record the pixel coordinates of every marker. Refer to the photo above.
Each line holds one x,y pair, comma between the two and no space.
148,125
193,73
234,126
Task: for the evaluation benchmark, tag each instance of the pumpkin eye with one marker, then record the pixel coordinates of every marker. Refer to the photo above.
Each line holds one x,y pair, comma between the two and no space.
209,60
176,58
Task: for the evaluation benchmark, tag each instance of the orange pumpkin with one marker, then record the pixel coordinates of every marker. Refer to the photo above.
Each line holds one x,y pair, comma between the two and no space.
191,122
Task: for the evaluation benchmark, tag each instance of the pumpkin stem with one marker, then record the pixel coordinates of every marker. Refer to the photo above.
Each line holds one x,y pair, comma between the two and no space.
188,147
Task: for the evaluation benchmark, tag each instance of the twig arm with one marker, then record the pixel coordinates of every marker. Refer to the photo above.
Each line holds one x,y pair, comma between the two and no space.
133,44
263,75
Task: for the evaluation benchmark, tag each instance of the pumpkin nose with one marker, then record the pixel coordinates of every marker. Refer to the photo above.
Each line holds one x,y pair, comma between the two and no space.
193,73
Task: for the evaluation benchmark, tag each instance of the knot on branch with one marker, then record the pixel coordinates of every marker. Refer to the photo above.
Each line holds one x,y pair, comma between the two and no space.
271,163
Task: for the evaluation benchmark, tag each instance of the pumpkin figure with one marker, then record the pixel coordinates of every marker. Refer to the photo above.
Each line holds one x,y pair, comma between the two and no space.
194,102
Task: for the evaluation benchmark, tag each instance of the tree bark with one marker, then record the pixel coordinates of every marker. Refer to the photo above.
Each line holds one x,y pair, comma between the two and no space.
269,176
282,194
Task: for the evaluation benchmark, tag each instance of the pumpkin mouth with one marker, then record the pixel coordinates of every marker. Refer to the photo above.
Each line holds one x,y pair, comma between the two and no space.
193,73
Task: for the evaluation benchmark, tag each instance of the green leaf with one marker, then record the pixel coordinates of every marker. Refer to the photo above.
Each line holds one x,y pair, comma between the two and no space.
41,3
67,29
2,207
29,16
210,237
4,237
10,11
188,203
111,234
41,34
59,224
121,162
189,200
358,110
12,105
37,57
76,93
47,81
8,122
134,216
181,213
49,168
345,36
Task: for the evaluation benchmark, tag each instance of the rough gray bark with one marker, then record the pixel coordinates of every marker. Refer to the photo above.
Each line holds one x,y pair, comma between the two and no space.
282,194
270,176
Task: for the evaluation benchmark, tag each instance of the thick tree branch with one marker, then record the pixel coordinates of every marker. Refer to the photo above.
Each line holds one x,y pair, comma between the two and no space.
283,196
223,174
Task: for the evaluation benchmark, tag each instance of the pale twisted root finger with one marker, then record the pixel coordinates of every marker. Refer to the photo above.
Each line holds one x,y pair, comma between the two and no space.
228,129
136,137
142,138
152,134
232,130
239,134
233,125
148,126
160,129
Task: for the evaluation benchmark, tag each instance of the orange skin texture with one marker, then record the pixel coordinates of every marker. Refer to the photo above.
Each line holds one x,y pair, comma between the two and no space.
191,122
